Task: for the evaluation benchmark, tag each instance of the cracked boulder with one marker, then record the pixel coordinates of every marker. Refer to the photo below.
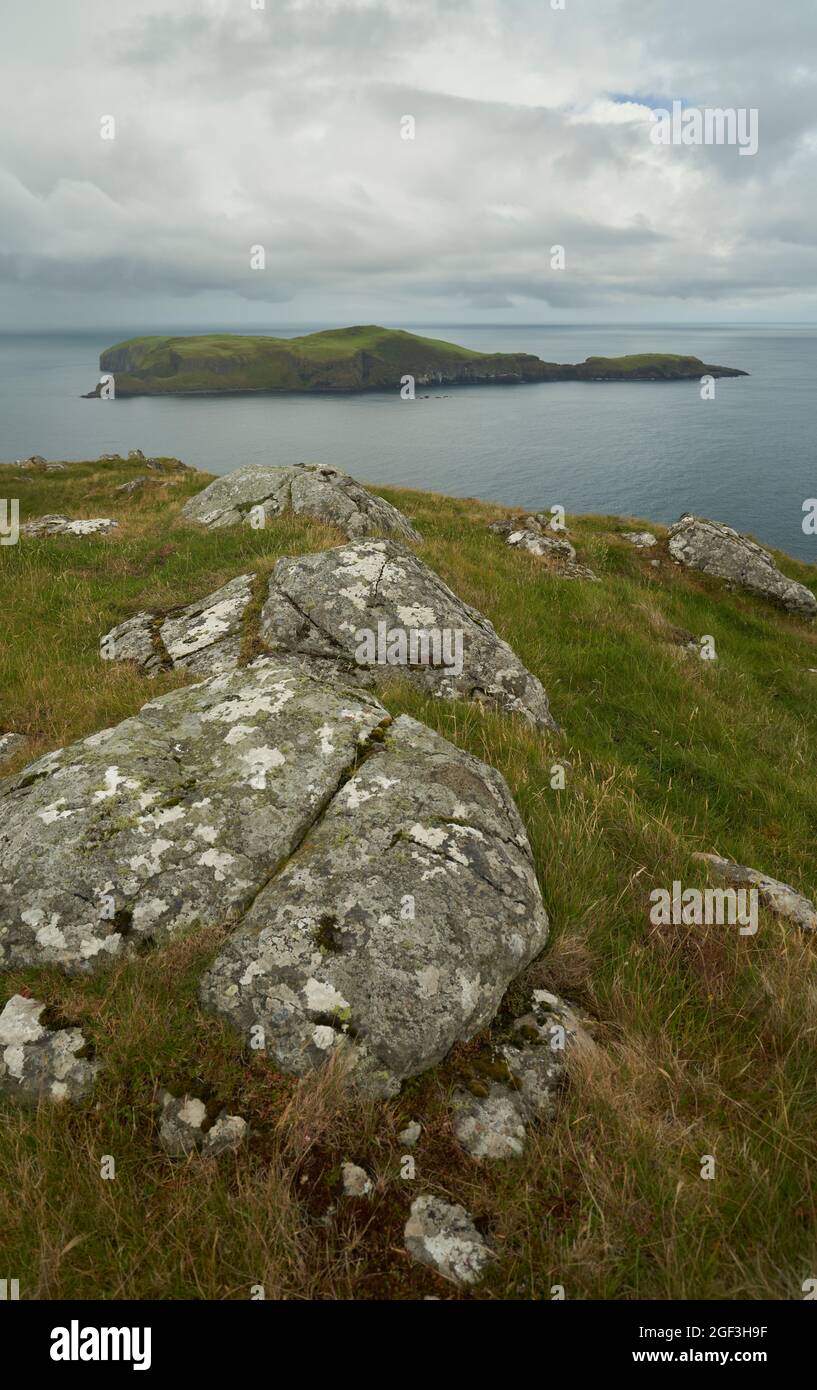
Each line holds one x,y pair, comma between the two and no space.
175,818
185,1128
258,492
204,636
68,526
778,898
375,606
715,549
520,1081
395,928
39,1062
443,1235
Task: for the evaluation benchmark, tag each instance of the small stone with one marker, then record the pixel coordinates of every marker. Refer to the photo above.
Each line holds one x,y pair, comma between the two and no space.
356,1182
443,1235
133,486
54,525
642,540
182,1128
408,1137
37,1062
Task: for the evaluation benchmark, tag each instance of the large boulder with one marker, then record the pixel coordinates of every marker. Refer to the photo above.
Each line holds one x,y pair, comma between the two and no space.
375,606
261,491
395,929
715,549
173,818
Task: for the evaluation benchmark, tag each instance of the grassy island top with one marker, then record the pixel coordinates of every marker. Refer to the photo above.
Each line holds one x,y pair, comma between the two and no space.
363,358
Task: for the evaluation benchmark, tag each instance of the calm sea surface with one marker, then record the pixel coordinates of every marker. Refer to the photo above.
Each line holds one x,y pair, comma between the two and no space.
648,450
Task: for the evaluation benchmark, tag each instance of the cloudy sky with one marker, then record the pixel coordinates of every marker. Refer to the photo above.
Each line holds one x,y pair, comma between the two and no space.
242,123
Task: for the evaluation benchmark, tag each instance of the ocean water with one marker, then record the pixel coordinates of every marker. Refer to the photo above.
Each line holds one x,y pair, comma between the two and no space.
649,450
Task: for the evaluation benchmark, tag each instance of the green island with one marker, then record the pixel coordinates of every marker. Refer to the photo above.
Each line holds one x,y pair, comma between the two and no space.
366,358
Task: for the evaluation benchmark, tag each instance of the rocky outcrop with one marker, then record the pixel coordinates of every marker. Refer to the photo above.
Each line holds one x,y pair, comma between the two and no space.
715,549
443,1235
259,492
779,898
68,526
642,540
38,1062
361,612
491,1116
185,1128
174,818
395,929
204,637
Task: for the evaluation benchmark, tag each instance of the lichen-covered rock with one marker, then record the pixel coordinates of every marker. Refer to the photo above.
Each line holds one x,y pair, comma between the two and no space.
133,486
779,898
396,927
309,488
356,1181
535,535
642,540
443,1235
184,1128
366,604
408,1137
38,1062
68,526
173,818
10,746
491,1121
204,636
715,549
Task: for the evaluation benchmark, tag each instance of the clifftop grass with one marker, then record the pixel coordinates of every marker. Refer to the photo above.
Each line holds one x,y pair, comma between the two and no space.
706,1038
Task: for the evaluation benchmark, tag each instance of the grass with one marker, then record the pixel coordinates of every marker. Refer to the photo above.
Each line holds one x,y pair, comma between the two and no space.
706,1040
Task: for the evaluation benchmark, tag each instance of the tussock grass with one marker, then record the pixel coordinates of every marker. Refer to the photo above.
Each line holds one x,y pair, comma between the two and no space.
706,1040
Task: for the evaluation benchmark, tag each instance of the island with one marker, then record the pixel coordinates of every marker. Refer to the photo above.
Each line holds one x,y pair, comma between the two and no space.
364,358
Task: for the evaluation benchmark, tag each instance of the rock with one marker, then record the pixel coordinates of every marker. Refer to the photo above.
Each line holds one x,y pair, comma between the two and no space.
491,1123
38,1062
715,549
11,745
204,637
443,1235
136,454
183,1128
531,534
68,526
168,466
356,1181
307,488
55,468
336,612
341,605
780,899
36,461
133,486
110,458
397,925
174,818
642,540
408,1137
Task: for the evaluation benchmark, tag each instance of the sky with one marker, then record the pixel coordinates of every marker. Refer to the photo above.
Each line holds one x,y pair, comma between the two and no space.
280,124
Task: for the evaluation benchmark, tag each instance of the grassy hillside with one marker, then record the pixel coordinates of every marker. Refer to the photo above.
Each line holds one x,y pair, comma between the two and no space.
354,359
706,1038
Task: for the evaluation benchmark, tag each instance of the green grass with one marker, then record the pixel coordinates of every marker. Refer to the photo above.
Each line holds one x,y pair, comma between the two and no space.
705,1039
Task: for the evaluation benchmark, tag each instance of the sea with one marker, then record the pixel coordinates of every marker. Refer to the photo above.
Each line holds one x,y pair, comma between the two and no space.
646,450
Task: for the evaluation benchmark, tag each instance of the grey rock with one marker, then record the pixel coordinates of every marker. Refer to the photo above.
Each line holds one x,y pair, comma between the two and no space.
133,486
715,549
172,819
318,604
204,636
493,1126
443,1235
37,1062
642,540
408,1137
168,466
11,745
356,1181
534,535
183,1128
68,526
329,954
780,898
308,488
136,454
